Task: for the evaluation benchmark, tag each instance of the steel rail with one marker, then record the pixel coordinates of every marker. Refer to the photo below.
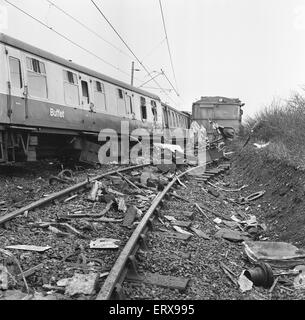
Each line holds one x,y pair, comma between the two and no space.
59,194
114,276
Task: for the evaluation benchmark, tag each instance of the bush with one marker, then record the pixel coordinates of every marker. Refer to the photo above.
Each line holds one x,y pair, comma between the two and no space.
282,123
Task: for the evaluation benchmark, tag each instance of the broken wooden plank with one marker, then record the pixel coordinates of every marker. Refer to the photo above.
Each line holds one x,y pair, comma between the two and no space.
30,271
28,248
160,280
104,243
175,235
183,224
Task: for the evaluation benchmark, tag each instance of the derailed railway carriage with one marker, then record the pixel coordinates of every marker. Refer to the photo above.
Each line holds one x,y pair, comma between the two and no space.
49,105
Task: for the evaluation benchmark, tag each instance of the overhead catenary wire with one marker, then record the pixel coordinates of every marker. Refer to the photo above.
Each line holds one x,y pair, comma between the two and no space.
128,47
87,28
168,46
66,38
163,73
153,49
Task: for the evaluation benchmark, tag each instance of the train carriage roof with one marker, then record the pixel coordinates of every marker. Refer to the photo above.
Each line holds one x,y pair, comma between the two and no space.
52,57
172,108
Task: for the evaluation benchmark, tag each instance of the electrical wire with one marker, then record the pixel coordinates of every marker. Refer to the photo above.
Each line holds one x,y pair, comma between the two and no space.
87,28
168,46
128,47
66,38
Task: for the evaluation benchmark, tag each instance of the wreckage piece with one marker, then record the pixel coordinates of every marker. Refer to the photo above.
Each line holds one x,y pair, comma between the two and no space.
28,248
253,196
30,271
200,233
94,194
121,204
183,224
3,278
174,194
245,284
104,243
180,230
58,232
129,182
299,281
82,284
277,254
79,216
201,211
261,275
232,235
54,178
104,219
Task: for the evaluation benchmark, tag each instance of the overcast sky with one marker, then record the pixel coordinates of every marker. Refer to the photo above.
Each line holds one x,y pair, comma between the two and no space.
248,49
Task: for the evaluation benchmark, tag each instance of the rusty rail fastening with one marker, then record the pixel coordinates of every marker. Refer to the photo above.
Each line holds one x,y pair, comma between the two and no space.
62,193
118,271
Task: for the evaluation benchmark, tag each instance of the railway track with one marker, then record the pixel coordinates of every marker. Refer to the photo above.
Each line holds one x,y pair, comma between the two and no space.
126,265
72,252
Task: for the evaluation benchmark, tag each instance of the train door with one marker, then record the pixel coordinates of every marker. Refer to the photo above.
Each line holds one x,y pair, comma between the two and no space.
121,103
17,91
87,106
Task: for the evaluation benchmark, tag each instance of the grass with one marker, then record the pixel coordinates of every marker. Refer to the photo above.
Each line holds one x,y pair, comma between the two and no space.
283,125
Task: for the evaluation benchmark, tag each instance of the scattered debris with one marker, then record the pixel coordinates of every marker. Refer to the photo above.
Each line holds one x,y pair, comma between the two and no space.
121,204
217,220
201,234
232,235
95,191
104,243
229,273
110,220
63,282
201,211
3,278
261,275
180,230
28,248
244,283
253,196
261,146
299,281
82,284
274,284
58,232
71,198
277,254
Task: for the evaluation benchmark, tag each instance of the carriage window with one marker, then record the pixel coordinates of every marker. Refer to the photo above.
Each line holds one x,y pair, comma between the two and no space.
99,87
70,77
120,93
129,105
15,71
71,88
99,96
154,110
37,78
143,109
85,91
